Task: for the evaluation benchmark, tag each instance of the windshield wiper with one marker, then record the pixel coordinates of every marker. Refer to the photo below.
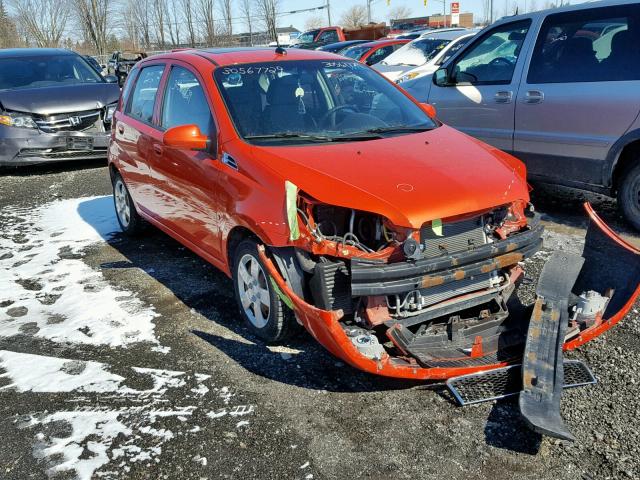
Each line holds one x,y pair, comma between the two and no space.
398,128
287,135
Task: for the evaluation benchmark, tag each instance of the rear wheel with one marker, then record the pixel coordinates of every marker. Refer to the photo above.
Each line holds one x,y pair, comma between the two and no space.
263,311
629,196
130,222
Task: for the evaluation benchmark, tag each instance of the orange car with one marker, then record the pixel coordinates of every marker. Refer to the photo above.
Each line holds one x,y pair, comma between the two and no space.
337,202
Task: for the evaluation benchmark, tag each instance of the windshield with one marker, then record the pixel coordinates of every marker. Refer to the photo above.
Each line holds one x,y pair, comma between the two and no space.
45,71
308,37
356,52
316,101
416,53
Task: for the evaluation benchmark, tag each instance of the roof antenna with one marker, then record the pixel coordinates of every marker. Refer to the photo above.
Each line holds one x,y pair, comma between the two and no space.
279,49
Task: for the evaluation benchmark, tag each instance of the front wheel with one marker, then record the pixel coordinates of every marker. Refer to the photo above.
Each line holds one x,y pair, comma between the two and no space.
130,222
263,311
629,196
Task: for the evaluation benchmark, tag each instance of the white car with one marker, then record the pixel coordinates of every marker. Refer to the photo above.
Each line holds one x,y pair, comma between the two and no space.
435,62
417,53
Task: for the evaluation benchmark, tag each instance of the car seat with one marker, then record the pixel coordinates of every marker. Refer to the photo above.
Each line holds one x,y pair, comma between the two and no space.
285,111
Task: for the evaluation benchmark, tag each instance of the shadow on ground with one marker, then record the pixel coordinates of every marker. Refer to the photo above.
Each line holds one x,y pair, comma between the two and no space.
47,168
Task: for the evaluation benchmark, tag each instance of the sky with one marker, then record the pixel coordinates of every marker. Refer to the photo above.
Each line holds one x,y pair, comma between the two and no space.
380,9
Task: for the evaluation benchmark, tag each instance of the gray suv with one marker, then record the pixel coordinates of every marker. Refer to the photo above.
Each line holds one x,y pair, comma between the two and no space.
53,107
560,89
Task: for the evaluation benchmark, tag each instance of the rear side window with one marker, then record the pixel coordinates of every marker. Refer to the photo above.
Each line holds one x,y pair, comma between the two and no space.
595,45
329,36
185,102
379,55
143,98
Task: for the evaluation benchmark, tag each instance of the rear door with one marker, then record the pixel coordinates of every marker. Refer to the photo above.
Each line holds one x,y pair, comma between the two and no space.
189,181
580,93
136,131
480,97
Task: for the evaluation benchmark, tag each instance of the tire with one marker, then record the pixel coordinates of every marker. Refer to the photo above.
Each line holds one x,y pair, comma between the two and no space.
260,306
128,218
629,196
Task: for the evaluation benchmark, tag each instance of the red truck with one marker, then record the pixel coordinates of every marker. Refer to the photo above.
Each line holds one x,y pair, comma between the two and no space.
323,36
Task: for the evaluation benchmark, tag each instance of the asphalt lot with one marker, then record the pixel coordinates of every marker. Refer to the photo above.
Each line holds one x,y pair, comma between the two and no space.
126,359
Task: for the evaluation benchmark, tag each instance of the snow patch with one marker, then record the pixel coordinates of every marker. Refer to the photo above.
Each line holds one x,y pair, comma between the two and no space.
51,292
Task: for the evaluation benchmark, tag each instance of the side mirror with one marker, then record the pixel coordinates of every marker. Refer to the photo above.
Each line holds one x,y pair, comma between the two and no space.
187,137
111,79
441,77
428,109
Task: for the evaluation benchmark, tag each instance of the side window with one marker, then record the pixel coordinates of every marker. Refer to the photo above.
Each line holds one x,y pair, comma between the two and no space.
330,36
599,44
126,90
185,102
143,98
379,55
492,60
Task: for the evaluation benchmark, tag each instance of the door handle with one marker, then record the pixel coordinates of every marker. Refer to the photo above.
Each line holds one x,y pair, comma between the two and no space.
533,96
120,129
503,96
157,149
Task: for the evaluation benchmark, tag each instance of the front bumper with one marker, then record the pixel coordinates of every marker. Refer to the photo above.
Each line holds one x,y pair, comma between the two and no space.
28,147
610,263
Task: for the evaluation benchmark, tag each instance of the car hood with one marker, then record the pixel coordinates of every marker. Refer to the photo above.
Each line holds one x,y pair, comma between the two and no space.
419,87
409,179
60,99
392,72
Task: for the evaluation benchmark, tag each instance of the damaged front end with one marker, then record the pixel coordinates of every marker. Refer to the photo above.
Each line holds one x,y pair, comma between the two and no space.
439,303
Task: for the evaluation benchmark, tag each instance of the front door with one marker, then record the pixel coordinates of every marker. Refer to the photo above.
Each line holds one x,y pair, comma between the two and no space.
580,94
479,98
189,180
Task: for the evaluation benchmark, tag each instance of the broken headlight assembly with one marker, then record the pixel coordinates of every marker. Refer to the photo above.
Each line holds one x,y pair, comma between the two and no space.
17,120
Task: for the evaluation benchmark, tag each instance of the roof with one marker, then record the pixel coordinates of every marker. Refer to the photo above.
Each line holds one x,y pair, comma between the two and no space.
446,35
290,29
231,56
33,52
570,8
384,41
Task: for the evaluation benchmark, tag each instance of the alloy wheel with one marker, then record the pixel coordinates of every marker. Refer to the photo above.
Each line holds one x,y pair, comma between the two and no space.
254,291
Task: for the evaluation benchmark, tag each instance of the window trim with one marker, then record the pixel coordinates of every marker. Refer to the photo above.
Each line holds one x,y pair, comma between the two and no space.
577,14
195,73
455,59
126,109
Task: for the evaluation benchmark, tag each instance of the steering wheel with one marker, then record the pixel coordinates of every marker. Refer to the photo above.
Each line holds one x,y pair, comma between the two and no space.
331,114
501,61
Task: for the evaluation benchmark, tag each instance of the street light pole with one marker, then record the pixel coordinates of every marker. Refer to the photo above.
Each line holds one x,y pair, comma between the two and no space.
329,11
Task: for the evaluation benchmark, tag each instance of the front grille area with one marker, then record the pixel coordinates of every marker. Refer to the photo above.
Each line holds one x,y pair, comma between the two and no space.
452,237
70,122
433,295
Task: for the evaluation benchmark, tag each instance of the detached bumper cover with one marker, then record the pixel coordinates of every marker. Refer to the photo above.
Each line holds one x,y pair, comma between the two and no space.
610,262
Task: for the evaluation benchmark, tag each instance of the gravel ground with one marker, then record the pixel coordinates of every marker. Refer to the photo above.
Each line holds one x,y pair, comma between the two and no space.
199,397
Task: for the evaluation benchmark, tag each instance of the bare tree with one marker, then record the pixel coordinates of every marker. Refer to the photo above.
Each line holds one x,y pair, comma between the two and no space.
8,32
533,6
354,16
159,19
313,22
93,16
400,12
486,11
42,21
187,13
227,16
267,11
141,20
207,20
247,15
174,22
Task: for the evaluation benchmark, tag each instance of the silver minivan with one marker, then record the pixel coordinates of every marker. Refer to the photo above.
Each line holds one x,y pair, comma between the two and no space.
560,89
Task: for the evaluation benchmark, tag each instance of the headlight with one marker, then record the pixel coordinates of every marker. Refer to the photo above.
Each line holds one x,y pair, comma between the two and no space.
17,120
109,114
408,76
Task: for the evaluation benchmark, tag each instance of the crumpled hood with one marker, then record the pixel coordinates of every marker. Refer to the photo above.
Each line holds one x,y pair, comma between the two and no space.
60,99
409,179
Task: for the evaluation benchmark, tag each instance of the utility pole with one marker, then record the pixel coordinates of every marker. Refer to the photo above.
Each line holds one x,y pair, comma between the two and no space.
329,12
490,12
369,11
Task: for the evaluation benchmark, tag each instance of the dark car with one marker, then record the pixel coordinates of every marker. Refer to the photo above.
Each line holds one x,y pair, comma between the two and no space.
121,63
94,63
339,47
53,107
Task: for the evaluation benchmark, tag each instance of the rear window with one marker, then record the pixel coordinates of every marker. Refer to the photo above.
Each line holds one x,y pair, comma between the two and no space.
593,45
45,71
